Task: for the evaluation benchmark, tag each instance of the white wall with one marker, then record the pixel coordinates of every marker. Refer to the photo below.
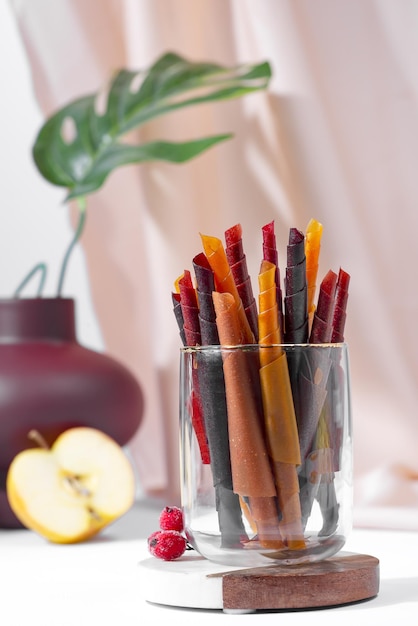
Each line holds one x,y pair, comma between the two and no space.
34,223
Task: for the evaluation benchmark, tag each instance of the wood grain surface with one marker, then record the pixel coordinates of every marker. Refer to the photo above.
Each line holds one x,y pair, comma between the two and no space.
337,580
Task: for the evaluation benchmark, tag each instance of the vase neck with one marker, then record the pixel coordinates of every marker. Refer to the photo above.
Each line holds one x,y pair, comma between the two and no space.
37,319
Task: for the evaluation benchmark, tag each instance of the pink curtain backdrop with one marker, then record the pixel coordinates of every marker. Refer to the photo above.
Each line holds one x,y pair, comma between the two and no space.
336,138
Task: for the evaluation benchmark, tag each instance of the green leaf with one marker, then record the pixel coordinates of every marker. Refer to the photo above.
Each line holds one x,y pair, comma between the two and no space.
79,146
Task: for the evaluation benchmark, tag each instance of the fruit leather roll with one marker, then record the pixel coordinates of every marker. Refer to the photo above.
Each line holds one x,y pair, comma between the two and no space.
190,312
224,281
213,399
175,297
309,400
189,305
295,301
313,236
279,414
252,477
309,403
205,285
336,377
238,263
341,297
213,402
326,435
322,324
270,253
249,304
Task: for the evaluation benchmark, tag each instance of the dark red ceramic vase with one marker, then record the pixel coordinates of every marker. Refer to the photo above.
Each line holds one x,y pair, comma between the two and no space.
49,382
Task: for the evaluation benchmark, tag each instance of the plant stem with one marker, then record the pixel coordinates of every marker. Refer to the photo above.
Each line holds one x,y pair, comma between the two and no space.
35,436
81,201
40,267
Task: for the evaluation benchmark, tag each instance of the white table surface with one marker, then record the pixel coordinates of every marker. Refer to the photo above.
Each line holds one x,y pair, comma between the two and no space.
97,583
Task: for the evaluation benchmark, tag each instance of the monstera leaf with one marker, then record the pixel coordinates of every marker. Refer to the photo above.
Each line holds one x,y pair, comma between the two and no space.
80,146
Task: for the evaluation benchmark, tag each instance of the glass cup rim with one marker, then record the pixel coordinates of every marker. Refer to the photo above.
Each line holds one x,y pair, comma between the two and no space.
256,346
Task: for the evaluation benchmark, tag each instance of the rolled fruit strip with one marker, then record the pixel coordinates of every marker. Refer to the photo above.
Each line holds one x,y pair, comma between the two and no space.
189,305
295,300
234,251
251,472
322,324
313,236
175,297
190,310
205,285
319,485
339,319
333,412
212,394
224,281
270,253
279,414
296,322
341,297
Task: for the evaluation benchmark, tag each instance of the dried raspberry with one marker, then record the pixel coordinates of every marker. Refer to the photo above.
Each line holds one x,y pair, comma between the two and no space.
166,544
171,518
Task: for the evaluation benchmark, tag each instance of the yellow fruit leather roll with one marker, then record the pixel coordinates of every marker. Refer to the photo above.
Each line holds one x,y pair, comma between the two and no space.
279,413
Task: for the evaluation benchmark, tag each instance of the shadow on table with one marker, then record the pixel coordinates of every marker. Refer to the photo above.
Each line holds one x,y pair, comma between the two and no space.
138,523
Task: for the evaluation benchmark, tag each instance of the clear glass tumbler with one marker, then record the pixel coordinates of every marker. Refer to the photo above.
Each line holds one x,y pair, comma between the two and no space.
266,452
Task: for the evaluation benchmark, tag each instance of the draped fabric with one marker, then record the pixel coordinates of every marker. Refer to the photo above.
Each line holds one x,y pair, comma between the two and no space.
335,138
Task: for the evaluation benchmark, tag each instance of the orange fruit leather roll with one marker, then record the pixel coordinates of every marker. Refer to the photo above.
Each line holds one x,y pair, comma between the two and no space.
252,477
224,280
313,237
279,413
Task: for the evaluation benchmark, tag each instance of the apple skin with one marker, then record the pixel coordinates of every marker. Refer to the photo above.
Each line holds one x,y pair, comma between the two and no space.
41,497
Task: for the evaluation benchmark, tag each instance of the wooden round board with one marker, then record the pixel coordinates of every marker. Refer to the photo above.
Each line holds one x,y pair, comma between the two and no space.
195,582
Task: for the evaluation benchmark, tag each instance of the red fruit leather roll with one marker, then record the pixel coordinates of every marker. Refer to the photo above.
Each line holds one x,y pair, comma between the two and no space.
175,297
238,263
198,422
341,297
190,310
270,254
328,431
233,244
189,306
321,331
251,472
249,304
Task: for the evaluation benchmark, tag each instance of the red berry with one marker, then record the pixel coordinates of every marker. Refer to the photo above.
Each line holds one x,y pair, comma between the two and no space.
166,544
171,518
154,534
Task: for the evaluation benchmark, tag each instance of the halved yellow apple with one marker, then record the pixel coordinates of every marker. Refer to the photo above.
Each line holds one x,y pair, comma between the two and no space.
70,492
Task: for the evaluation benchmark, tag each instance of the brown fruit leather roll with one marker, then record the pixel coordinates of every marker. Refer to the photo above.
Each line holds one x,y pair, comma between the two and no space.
251,472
